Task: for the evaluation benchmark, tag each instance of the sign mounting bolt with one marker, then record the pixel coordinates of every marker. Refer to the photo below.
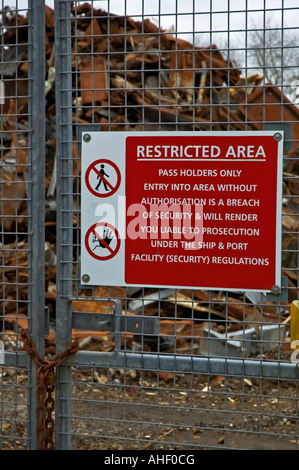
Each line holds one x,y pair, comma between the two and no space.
87,137
275,290
277,136
85,278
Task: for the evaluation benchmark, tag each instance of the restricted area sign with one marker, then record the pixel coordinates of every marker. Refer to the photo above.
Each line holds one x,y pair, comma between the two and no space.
182,209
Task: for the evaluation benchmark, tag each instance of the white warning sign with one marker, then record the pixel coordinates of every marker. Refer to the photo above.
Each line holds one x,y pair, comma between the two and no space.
102,210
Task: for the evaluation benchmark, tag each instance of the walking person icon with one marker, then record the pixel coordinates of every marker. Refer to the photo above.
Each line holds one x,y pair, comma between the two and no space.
102,171
102,178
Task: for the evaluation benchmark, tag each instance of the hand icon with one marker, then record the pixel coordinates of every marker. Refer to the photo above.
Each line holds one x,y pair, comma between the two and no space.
107,238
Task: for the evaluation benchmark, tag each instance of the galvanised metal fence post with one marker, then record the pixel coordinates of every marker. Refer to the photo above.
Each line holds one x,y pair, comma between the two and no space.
64,214
36,101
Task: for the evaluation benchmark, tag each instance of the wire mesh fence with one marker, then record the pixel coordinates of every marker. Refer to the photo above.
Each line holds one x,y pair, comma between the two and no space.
15,244
22,208
159,368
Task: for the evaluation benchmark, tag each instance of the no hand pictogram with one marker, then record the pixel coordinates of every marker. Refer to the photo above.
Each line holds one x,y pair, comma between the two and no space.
102,178
102,241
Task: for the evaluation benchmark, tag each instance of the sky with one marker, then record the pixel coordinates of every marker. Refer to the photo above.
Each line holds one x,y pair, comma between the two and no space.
205,22
201,20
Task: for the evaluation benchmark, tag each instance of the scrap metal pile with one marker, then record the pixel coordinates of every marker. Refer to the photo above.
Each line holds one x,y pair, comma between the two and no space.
131,75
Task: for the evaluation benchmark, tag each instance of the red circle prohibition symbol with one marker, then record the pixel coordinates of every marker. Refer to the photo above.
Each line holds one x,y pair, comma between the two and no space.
92,230
92,167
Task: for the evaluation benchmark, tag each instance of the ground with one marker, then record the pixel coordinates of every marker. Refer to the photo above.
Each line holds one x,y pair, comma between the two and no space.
134,410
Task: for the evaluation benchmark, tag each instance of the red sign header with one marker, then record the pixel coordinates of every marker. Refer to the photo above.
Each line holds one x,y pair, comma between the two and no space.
202,211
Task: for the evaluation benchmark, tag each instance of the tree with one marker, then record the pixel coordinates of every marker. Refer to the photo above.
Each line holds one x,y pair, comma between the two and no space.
273,51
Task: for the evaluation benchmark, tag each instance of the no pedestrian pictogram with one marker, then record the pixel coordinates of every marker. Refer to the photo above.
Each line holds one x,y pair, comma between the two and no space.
102,241
102,178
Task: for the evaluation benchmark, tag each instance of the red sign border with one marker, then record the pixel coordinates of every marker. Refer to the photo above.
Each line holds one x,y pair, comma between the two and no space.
90,230
109,162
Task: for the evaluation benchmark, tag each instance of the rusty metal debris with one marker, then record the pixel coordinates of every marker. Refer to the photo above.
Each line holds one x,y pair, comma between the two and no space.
153,80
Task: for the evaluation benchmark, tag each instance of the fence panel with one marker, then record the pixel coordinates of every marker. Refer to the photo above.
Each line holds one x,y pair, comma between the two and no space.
22,124
158,368
176,368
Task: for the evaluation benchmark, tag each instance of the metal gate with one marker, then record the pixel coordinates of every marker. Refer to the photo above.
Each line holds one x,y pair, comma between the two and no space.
22,215
157,368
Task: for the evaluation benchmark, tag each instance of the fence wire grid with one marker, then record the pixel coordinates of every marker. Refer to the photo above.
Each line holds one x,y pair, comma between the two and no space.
157,368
